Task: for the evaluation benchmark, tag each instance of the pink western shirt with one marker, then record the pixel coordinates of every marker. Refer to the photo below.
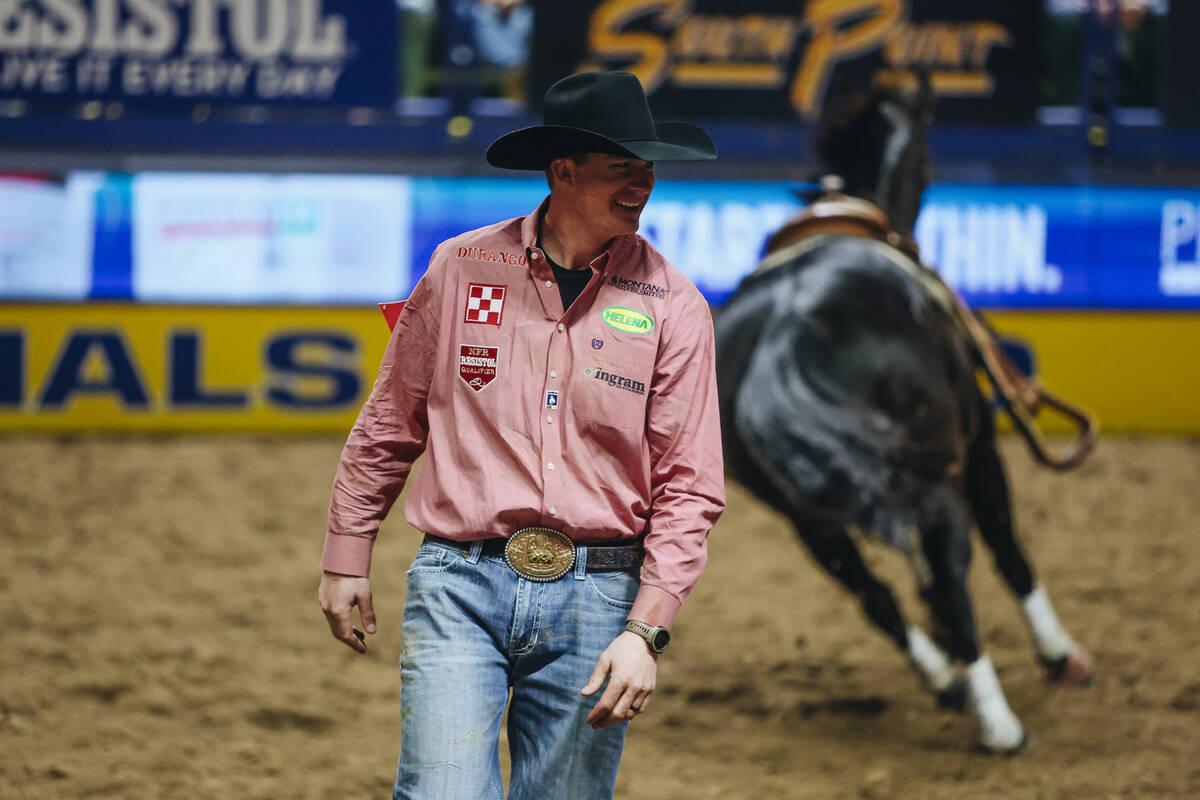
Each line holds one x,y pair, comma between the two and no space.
600,422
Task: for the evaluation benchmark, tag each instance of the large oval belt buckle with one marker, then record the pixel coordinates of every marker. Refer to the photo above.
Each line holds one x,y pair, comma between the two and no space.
540,554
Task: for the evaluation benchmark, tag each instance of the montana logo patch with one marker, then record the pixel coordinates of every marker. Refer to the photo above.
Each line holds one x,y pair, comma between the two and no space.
637,287
477,365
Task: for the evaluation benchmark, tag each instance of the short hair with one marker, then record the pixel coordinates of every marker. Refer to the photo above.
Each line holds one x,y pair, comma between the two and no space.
578,158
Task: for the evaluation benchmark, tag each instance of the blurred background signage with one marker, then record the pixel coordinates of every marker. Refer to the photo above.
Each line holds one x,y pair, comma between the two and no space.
359,240
239,51
1182,74
780,57
201,201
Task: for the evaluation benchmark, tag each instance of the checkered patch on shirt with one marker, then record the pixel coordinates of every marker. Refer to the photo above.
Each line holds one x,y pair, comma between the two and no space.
485,303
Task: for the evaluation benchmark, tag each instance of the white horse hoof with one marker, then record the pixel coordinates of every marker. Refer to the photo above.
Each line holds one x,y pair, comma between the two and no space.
1003,746
999,729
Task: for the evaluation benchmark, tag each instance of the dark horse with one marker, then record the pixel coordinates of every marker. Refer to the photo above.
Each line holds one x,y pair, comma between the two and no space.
849,402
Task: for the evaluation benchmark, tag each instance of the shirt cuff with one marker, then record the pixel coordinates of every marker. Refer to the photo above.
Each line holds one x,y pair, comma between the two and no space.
347,555
654,606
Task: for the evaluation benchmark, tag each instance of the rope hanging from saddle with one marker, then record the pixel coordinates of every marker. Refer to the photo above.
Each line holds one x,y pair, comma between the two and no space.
1022,397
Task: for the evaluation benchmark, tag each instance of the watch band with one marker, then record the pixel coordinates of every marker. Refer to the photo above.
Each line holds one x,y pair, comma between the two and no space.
657,637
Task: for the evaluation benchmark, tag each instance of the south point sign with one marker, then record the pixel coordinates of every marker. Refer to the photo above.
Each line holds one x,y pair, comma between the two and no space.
776,58
197,50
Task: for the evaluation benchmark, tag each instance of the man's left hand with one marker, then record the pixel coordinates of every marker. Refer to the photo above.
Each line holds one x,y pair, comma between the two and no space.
631,670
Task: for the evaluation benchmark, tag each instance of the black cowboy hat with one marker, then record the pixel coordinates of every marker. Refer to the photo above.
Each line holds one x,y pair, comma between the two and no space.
599,112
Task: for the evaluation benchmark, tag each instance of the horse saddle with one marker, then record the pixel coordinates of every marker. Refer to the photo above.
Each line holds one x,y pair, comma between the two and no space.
836,214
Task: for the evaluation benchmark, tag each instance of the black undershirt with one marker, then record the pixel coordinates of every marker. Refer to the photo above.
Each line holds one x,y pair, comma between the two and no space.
571,282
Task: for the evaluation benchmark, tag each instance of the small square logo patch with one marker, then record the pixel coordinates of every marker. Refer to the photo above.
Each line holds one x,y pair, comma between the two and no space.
551,399
477,365
485,303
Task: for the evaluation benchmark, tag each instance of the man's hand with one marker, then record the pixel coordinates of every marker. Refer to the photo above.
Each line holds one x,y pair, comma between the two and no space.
631,670
337,595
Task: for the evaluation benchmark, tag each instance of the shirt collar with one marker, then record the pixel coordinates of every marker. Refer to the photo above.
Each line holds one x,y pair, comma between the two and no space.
602,263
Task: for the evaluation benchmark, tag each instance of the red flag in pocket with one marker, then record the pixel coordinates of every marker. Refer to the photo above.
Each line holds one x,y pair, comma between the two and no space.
391,312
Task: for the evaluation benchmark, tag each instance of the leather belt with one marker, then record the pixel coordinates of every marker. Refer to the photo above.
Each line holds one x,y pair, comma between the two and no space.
543,554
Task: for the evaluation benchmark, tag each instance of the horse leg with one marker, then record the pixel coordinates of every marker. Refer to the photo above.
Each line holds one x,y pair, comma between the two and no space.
987,488
834,549
946,544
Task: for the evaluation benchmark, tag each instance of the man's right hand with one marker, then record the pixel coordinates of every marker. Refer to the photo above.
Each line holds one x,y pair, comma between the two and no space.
337,595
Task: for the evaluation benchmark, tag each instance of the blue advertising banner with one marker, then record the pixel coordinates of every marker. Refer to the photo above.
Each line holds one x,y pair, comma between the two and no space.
320,240
714,232
338,52
1000,246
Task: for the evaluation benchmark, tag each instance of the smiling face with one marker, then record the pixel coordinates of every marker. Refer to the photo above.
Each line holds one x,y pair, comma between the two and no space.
604,194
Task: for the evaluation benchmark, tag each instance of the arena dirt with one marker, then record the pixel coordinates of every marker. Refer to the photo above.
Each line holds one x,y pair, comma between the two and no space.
160,639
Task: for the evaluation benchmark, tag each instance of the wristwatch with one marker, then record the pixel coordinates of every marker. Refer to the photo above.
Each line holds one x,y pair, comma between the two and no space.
657,637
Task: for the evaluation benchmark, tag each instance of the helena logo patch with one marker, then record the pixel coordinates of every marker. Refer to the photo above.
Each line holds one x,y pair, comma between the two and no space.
551,399
485,303
477,365
626,319
616,381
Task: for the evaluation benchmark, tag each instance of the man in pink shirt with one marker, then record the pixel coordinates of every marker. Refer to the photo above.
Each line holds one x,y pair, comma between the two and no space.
558,375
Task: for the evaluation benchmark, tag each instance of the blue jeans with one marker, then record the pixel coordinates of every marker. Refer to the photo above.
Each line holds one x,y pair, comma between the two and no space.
473,630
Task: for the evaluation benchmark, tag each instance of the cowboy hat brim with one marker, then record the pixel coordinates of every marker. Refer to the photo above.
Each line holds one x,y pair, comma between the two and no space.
534,148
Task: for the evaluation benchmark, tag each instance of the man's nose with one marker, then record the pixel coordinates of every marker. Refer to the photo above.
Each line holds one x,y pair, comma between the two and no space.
642,181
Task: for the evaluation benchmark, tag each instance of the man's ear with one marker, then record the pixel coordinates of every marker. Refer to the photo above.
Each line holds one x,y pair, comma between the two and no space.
563,170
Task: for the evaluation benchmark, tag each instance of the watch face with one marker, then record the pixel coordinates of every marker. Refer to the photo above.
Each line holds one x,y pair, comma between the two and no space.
662,638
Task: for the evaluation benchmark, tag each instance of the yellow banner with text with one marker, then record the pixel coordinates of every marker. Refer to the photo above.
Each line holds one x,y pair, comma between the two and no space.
68,367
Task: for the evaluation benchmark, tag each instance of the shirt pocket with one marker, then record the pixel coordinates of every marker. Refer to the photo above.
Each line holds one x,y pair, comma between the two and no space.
612,392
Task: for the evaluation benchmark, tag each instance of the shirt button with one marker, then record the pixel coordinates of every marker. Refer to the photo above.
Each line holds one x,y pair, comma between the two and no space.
553,511
553,373
549,418
549,284
533,254
550,465
561,327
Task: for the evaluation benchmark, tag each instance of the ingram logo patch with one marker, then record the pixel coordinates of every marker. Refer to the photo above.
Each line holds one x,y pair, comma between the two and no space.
627,320
616,381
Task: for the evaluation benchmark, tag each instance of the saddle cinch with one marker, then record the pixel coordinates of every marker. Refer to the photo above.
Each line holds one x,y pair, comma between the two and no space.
1023,398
